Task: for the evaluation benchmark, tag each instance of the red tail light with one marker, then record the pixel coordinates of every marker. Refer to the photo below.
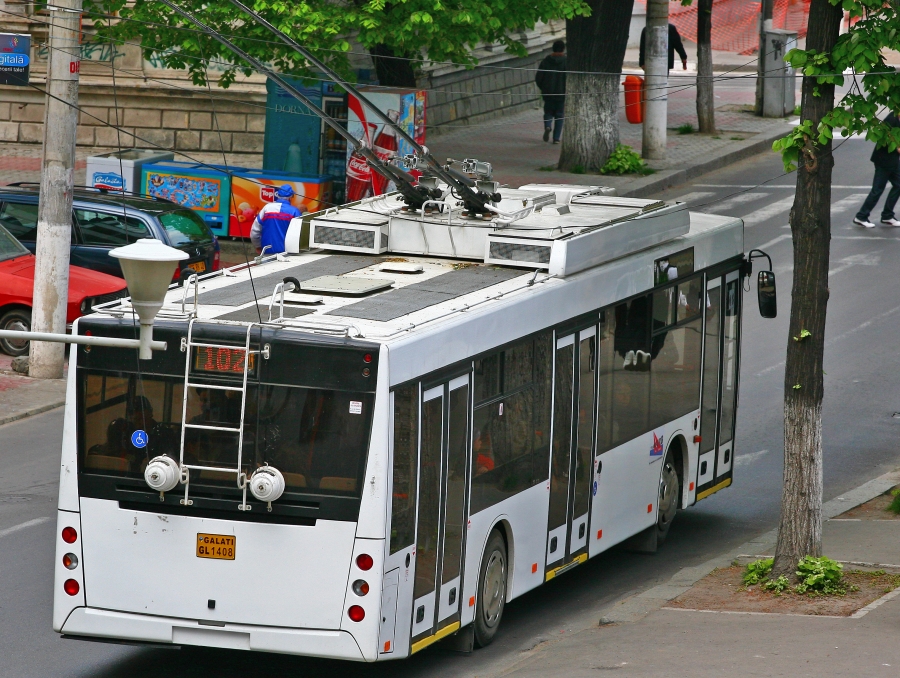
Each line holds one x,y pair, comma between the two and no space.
217,261
72,588
364,561
69,535
356,613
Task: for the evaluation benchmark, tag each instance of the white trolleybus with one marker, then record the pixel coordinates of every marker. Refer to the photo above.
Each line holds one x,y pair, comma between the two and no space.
378,439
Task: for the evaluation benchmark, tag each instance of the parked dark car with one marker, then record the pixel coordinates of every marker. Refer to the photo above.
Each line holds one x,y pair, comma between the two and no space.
104,220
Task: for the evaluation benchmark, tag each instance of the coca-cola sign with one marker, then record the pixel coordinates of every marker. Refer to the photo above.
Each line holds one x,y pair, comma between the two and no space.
267,193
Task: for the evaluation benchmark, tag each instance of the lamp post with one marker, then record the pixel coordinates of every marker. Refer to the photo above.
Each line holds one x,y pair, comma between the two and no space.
147,265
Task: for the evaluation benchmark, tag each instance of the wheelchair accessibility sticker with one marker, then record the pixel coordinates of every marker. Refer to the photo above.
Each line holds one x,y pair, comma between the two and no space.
139,438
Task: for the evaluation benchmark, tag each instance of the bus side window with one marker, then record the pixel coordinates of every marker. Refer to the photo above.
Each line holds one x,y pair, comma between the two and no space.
403,502
631,370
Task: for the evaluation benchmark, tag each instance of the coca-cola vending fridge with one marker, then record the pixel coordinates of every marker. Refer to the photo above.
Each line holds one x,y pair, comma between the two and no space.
407,108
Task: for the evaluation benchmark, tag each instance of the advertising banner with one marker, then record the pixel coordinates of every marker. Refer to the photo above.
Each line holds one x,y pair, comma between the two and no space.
15,59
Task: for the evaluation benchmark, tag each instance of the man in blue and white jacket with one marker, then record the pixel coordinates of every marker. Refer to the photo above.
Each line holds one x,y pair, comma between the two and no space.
271,224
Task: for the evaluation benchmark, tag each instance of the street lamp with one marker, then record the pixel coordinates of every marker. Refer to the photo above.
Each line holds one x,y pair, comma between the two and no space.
147,265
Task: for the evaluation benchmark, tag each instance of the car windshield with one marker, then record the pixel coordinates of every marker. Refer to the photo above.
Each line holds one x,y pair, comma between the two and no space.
10,248
184,227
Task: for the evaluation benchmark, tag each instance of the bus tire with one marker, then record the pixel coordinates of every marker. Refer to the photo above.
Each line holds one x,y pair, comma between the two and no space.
18,319
491,595
669,491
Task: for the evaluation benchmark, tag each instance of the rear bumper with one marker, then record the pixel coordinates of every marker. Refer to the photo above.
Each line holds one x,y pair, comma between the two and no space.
105,624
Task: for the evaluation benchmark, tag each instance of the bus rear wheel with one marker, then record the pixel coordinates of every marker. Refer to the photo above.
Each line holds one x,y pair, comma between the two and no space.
491,590
669,490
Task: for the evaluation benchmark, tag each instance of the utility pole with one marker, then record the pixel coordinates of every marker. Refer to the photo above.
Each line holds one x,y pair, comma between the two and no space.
656,79
54,230
766,10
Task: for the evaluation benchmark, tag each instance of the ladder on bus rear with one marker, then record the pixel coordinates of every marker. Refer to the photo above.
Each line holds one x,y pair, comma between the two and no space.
188,344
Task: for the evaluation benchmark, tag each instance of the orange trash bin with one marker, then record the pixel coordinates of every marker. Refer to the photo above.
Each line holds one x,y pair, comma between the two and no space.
634,99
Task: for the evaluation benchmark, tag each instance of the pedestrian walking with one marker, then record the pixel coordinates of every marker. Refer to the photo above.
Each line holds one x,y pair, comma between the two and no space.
551,80
675,45
887,168
271,224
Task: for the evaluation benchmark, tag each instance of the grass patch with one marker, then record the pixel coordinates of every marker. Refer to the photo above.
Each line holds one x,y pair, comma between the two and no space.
547,168
716,137
624,160
686,128
894,506
736,138
578,169
797,109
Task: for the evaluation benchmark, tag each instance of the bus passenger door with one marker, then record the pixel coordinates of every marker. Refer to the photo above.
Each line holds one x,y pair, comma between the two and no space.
730,323
709,400
442,510
572,453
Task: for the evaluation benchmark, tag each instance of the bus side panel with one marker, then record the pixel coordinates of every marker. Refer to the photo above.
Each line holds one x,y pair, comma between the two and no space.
526,516
374,507
68,471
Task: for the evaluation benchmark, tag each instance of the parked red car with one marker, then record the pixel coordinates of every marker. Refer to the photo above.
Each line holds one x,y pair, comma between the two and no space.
86,288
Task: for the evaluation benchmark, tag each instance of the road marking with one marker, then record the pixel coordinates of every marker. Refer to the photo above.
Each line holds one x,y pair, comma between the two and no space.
745,459
768,212
792,186
739,199
694,196
22,526
773,241
869,259
847,203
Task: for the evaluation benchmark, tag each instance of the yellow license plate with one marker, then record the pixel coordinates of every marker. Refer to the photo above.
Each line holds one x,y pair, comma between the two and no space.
198,266
218,546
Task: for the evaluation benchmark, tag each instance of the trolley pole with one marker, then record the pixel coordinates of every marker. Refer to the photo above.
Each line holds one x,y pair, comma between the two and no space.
656,80
54,229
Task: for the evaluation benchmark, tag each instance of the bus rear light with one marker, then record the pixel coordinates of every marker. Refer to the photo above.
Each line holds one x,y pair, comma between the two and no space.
69,535
364,561
360,587
367,358
70,561
356,613
71,587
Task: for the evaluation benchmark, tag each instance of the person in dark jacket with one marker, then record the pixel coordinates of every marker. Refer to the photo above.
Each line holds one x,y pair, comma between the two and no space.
887,168
551,80
675,45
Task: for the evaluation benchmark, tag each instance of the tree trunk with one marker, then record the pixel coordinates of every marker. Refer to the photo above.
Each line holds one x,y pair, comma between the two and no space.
392,69
800,530
706,116
765,14
591,128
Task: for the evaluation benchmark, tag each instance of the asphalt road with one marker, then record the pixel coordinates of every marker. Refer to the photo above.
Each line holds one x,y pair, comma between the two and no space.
862,395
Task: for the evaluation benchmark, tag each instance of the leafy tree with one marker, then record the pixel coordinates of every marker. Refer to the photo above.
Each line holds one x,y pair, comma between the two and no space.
809,149
439,30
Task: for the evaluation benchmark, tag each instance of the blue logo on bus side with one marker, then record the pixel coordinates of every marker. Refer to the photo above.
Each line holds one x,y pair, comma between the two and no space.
109,180
139,439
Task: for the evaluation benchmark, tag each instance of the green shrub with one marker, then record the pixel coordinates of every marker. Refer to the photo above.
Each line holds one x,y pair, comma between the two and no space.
578,169
777,586
686,128
624,160
820,575
895,503
758,571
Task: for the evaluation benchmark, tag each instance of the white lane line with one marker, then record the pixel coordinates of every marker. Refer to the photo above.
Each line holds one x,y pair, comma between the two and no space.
791,186
868,259
773,241
695,196
851,201
22,526
736,200
768,212
745,459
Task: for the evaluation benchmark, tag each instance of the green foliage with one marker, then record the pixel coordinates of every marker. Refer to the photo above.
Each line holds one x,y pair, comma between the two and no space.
578,169
820,575
624,160
439,30
860,51
895,502
758,571
686,128
803,335
777,586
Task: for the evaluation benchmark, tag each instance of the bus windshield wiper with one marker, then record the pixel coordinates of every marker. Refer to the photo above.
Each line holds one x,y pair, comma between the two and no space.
414,195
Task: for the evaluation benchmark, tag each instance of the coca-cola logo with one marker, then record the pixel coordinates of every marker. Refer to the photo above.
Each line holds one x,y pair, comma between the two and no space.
267,193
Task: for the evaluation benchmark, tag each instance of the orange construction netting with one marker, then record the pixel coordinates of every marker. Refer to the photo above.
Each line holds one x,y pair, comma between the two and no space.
735,23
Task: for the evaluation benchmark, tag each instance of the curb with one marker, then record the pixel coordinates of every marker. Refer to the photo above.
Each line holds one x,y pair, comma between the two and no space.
34,410
636,607
665,179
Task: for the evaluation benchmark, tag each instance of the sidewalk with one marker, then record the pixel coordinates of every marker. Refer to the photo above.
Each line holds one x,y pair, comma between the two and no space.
22,397
639,636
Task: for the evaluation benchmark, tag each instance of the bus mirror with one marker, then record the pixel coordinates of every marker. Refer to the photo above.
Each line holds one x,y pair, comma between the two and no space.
765,288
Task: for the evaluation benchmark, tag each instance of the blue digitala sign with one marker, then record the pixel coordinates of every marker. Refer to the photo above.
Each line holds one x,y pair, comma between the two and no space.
15,59
139,439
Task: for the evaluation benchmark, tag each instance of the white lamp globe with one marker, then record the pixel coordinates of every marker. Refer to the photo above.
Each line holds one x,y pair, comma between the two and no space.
148,266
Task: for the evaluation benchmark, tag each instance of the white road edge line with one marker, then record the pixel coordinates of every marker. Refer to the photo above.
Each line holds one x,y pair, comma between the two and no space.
22,526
